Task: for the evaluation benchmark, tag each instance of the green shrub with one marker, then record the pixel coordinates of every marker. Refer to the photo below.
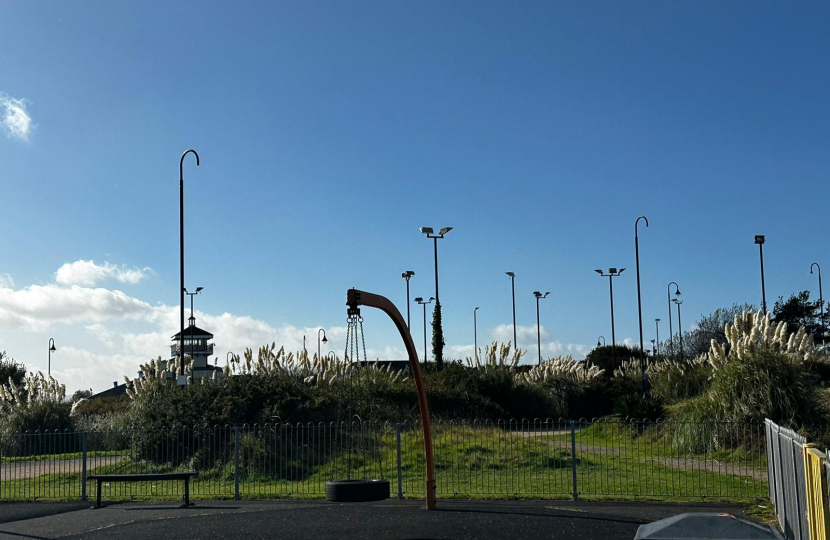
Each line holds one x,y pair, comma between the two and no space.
641,407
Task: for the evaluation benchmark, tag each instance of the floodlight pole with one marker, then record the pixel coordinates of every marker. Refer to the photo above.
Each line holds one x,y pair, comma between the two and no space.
679,326
668,301
657,325
428,231
820,298
512,277
191,295
421,301
475,335
407,276
181,256
612,273
539,296
760,239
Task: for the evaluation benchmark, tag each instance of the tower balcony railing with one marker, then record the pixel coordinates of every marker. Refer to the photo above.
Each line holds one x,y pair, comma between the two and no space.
206,350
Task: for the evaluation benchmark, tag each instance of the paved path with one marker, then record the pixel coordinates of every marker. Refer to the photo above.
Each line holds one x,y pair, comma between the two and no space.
15,470
322,520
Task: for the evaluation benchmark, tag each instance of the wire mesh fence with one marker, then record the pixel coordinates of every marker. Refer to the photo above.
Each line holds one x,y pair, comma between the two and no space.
501,459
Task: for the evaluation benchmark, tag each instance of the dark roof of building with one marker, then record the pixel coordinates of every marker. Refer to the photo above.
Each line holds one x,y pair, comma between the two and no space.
193,331
115,391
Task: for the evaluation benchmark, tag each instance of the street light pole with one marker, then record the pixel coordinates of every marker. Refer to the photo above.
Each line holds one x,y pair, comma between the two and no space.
760,239
612,273
820,298
475,334
407,276
193,319
181,256
318,342
679,326
513,287
668,301
51,350
539,296
428,231
603,341
639,301
657,324
424,303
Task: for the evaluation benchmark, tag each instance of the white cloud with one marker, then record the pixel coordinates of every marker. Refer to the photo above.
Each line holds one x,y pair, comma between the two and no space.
87,273
14,118
37,306
6,281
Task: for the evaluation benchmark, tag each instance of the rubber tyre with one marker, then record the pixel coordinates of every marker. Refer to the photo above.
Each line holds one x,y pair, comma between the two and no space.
357,490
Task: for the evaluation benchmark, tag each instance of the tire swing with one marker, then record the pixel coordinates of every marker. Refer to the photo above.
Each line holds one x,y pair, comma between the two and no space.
354,489
365,490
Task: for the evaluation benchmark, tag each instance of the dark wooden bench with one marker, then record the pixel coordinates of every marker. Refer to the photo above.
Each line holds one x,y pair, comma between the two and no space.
149,477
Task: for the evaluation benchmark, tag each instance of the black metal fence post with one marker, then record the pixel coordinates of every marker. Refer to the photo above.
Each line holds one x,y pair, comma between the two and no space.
83,466
400,476
236,462
573,459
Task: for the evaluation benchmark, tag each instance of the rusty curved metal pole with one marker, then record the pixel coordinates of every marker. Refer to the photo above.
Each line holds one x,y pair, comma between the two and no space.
356,298
181,256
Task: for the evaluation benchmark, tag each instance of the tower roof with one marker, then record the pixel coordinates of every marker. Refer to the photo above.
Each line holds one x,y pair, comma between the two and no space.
193,332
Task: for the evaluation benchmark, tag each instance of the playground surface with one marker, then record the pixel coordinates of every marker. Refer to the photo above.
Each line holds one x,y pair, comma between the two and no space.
392,519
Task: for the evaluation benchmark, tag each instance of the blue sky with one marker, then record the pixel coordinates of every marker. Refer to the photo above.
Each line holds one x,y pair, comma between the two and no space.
330,131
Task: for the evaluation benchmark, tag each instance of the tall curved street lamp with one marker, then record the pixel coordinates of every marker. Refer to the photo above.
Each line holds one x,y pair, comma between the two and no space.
318,342
668,301
539,296
181,255
424,303
612,273
603,341
51,350
512,277
820,298
407,276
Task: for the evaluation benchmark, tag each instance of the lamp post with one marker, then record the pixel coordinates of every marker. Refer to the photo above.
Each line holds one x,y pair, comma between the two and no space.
639,301
657,325
820,297
668,301
539,296
424,303
429,233
760,239
51,350
318,341
192,320
603,341
181,255
407,276
679,325
512,277
612,273
475,334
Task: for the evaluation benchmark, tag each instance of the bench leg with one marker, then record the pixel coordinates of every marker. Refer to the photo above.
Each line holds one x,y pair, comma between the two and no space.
98,498
187,491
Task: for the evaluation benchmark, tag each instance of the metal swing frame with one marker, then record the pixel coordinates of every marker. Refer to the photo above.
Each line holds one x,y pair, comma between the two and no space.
354,300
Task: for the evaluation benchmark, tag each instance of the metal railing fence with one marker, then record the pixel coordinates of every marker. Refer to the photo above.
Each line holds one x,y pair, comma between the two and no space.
501,459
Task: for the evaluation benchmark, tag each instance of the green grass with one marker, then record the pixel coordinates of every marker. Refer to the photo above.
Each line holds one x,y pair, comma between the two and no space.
484,462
